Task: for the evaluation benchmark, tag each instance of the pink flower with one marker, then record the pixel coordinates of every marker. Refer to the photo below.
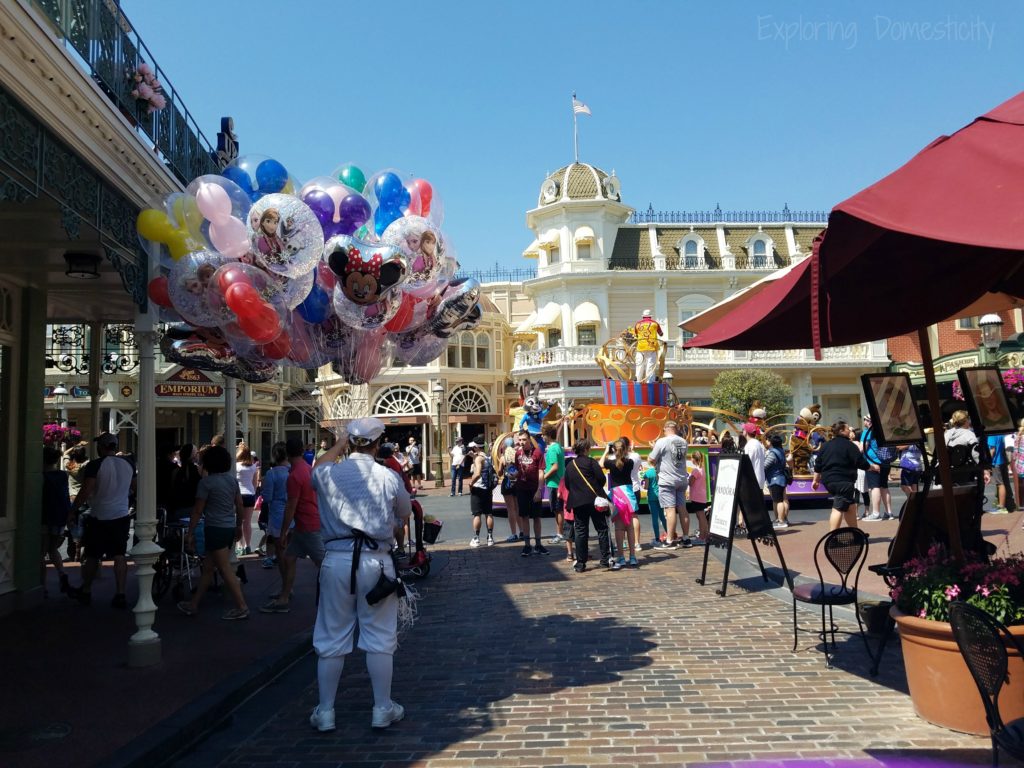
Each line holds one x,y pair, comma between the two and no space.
145,69
158,101
145,91
922,614
952,592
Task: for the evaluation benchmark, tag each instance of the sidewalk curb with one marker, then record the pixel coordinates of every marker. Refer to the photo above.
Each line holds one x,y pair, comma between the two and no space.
168,739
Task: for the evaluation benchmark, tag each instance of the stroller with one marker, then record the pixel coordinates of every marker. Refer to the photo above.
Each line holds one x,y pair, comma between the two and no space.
414,563
177,568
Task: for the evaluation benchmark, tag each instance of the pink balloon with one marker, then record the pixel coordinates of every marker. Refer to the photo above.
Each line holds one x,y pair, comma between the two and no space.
229,236
213,202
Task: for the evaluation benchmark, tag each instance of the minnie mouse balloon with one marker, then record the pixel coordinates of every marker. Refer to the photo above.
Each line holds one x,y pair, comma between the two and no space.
367,275
285,235
422,246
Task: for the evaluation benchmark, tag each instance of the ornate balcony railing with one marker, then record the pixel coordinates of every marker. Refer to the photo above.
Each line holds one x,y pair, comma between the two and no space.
718,216
68,349
100,36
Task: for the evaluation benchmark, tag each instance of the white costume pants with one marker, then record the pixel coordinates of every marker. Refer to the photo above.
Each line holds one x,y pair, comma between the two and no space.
646,366
339,612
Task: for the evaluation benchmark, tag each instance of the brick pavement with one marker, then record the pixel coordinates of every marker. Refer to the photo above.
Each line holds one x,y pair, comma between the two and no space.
521,662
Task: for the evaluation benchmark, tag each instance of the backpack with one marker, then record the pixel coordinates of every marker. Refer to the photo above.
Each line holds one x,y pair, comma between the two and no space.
885,454
487,475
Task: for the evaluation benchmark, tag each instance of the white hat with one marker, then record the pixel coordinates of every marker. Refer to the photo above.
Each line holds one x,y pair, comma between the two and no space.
365,431
472,445
647,313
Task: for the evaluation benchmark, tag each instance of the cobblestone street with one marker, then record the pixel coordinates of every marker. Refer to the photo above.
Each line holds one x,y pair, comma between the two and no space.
517,661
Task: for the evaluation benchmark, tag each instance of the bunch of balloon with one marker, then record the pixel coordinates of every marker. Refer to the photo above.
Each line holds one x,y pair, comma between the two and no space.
258,271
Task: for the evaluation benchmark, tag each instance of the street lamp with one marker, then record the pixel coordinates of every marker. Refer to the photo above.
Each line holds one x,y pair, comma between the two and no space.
60,396
438,391
315,393
991,335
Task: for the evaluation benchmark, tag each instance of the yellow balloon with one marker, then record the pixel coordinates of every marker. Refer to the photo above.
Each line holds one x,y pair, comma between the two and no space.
154,225
180,244
289,188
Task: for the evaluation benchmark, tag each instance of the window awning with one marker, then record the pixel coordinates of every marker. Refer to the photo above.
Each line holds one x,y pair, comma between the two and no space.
584,235
533,250
549,239
527,325
548,316
587,312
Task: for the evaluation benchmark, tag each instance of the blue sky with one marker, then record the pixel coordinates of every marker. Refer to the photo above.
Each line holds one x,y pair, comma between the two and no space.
747,105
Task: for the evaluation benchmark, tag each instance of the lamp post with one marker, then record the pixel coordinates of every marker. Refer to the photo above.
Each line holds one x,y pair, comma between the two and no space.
438,391
315,393
60,396
666,378
991,336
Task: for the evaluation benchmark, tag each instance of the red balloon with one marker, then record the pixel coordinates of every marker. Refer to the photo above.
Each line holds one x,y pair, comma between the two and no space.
325,277
158,292
260,322
426,195
403,316
278,348
232,276
240,296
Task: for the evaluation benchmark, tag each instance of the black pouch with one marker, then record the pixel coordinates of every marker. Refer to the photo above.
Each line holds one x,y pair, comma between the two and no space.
383,588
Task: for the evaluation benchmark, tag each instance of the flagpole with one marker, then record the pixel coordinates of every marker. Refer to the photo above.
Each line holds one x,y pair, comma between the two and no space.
575,132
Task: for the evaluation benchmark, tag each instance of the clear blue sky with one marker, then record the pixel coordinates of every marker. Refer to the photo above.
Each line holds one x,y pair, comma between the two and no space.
750,105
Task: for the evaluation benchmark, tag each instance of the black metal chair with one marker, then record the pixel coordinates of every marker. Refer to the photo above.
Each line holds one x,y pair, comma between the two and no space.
982,642
845,549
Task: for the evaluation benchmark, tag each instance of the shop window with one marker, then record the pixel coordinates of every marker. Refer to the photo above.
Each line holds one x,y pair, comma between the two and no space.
587,335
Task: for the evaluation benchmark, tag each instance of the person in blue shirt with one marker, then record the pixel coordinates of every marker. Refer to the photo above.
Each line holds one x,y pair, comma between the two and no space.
997,449
876,482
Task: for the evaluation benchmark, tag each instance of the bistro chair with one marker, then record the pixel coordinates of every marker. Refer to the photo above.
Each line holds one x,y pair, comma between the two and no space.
982,642
845,550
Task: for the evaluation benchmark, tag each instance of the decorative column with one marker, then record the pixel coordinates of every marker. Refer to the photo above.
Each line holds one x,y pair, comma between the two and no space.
95,365
230,418
144,645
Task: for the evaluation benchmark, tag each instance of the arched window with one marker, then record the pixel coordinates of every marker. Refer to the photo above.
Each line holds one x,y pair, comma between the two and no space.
341,408
483,350
294,418
466,354
467,399
400,401
759,254
690,254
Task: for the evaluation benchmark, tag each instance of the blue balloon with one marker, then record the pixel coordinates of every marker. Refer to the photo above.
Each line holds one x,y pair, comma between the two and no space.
240,177
271,177
316,306
383,217
389,189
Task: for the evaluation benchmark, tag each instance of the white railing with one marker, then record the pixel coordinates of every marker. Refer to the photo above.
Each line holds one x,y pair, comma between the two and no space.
561,356
867,354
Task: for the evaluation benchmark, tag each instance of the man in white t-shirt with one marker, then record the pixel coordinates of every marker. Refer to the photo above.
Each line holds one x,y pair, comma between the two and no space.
669,456
106,485
754,449
458,454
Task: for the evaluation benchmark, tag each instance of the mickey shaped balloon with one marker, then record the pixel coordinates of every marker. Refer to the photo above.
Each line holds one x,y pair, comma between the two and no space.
340,209
367,276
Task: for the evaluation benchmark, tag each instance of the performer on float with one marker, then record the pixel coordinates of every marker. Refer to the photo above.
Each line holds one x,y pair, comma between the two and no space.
649,337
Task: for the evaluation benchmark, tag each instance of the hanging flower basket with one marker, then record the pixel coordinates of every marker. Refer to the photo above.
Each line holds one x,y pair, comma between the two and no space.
1013,380
55,434
147,90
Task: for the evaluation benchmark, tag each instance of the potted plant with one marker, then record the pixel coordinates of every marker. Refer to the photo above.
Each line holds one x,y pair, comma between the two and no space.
941,687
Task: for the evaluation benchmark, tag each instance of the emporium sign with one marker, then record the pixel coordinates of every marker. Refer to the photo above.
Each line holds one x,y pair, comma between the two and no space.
188,382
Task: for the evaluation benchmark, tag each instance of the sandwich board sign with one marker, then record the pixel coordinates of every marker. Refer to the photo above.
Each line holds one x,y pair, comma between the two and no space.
736,491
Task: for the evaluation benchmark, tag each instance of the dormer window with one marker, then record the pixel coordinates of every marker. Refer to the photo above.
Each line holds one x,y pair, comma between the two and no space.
759,254
691,252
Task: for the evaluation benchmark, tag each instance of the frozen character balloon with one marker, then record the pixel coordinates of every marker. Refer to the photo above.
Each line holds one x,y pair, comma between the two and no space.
285,235
268,243
367,276
422,247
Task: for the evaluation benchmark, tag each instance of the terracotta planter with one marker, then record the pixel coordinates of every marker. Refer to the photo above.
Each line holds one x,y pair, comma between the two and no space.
941,686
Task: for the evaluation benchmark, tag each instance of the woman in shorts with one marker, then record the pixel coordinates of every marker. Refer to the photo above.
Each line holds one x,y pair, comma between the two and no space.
620,484
220,503
507,471
275,498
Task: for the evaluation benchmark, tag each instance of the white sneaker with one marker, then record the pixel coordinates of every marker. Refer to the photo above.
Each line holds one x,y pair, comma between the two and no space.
490,540
475,541
385,716
323,720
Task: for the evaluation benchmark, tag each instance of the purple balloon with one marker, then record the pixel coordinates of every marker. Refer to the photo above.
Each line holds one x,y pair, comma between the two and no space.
354,211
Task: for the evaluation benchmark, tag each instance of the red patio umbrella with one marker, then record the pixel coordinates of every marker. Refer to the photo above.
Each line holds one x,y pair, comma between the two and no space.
942,233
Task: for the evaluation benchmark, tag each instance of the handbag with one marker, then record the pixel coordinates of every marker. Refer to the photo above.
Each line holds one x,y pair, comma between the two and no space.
600,502
911,459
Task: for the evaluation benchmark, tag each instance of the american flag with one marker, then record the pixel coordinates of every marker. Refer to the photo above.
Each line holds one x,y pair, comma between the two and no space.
579,108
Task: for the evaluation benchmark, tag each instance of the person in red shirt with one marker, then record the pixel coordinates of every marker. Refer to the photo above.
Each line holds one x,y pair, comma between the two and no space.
386,455
529,486
304,540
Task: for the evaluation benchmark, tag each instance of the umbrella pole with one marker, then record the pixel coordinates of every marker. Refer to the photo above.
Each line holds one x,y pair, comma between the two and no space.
941,452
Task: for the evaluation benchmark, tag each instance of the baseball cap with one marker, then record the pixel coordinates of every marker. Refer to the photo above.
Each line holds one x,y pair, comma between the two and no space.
106,440
647,313
750,429
365,431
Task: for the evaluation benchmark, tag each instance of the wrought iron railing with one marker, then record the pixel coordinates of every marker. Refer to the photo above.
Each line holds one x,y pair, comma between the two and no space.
69,345
499,274
718,216
100,36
